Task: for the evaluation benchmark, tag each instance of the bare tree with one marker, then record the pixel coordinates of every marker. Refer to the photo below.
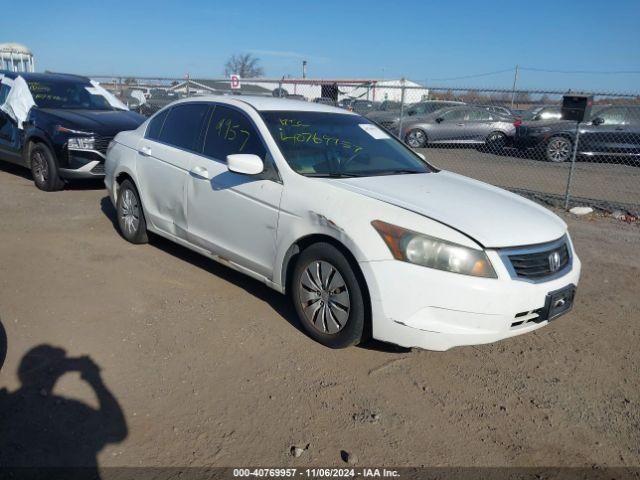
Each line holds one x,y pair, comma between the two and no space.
245,65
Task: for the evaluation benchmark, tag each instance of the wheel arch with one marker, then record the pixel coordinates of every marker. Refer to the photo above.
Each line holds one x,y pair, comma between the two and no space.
33,138
306,241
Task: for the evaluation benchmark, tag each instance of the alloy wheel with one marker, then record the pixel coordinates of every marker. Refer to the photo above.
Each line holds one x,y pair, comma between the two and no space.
416,138
130,214
324,297
40,167
559,150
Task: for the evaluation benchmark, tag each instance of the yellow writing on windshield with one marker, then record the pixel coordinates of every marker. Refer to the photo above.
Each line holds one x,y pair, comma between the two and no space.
229,131
318,139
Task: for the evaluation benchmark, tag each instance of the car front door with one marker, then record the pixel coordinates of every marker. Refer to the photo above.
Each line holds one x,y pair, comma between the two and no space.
606,132
234,216
165,156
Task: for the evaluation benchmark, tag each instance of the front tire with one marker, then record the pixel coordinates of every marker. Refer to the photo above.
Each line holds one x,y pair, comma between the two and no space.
416,138
44,169
328,297
131,220
558,149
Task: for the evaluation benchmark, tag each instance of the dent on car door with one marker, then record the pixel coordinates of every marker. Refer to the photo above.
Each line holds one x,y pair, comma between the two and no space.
232,215
164,160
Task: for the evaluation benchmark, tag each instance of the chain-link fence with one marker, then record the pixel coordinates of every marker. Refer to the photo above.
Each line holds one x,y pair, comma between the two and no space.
514,139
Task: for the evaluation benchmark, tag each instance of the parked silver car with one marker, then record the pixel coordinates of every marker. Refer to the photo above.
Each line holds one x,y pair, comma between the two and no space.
390,120
460,125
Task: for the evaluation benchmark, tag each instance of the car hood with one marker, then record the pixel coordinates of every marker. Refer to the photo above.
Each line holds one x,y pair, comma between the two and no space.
102,122
491,216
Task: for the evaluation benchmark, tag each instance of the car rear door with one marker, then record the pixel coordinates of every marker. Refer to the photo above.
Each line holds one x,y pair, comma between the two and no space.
165,156
234,216
447,126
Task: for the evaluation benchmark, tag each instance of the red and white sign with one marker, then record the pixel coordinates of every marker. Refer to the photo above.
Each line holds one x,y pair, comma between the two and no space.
235,82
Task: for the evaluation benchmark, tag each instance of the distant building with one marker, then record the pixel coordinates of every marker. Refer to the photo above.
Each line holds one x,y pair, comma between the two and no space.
16,58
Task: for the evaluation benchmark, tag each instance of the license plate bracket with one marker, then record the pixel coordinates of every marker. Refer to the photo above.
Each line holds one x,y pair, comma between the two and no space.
558,303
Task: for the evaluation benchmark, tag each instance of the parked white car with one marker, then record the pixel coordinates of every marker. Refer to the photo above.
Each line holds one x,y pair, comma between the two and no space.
366,237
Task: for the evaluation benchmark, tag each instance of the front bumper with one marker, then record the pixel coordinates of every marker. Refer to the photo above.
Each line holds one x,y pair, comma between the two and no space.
82,165
415,306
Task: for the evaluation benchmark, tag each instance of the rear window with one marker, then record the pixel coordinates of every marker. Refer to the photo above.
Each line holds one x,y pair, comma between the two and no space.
183,125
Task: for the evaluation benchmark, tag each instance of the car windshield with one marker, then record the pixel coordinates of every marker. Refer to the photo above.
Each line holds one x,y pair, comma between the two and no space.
66,95
319,144
541,113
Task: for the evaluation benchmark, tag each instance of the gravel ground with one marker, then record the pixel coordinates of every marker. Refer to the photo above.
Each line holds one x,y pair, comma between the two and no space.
199,365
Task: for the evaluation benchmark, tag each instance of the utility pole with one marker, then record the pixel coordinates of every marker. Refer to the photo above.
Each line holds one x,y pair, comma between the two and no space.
513,90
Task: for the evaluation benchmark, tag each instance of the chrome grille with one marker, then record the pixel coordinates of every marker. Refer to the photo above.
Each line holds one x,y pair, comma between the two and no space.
101,144
539,262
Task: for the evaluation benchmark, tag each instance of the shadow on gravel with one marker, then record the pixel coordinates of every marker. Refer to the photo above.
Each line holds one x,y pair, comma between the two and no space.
41,430
87,184
279,303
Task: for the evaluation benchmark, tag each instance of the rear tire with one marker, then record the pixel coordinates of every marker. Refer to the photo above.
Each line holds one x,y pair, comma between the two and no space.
44,169
131,222
328,297
496,141
416,138
558,149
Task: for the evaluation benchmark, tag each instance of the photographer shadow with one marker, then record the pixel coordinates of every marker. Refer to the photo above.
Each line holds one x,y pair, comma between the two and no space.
41,430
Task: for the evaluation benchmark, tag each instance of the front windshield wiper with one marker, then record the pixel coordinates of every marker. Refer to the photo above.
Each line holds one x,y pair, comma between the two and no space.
332,175
396,171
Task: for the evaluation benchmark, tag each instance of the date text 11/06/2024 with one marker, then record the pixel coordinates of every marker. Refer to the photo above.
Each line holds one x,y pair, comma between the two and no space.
315,472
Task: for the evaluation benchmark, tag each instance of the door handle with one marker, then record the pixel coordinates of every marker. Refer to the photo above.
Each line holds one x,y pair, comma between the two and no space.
461,124
145,151
200,172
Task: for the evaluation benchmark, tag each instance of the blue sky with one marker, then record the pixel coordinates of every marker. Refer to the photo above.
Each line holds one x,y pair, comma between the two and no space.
420,40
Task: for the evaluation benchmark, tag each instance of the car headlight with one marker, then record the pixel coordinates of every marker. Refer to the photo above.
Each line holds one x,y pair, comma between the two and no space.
413,247
82,143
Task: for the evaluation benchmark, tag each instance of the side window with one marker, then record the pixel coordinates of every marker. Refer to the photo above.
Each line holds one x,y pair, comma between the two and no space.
183,125
633,116
453,115
478,115
155,125
612,116
229,132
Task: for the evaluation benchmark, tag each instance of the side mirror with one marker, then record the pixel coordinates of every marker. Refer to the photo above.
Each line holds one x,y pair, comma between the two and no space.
411,112
439,120
598,121
245,164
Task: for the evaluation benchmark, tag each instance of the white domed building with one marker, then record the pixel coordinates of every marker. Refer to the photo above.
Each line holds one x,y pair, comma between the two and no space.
16,58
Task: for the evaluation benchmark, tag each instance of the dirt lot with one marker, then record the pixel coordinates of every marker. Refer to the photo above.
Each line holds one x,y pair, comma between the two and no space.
208,367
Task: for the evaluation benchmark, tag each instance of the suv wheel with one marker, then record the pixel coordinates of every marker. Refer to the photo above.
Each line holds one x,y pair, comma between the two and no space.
44,169
558,149
328,297
130,215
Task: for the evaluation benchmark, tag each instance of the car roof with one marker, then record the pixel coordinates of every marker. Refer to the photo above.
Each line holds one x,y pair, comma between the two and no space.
48,76
265,104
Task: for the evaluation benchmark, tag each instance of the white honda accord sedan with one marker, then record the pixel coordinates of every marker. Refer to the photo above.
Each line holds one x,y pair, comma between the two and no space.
366,237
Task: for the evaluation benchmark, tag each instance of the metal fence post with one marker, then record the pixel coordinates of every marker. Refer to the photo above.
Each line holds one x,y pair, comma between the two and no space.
402,95
567,194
